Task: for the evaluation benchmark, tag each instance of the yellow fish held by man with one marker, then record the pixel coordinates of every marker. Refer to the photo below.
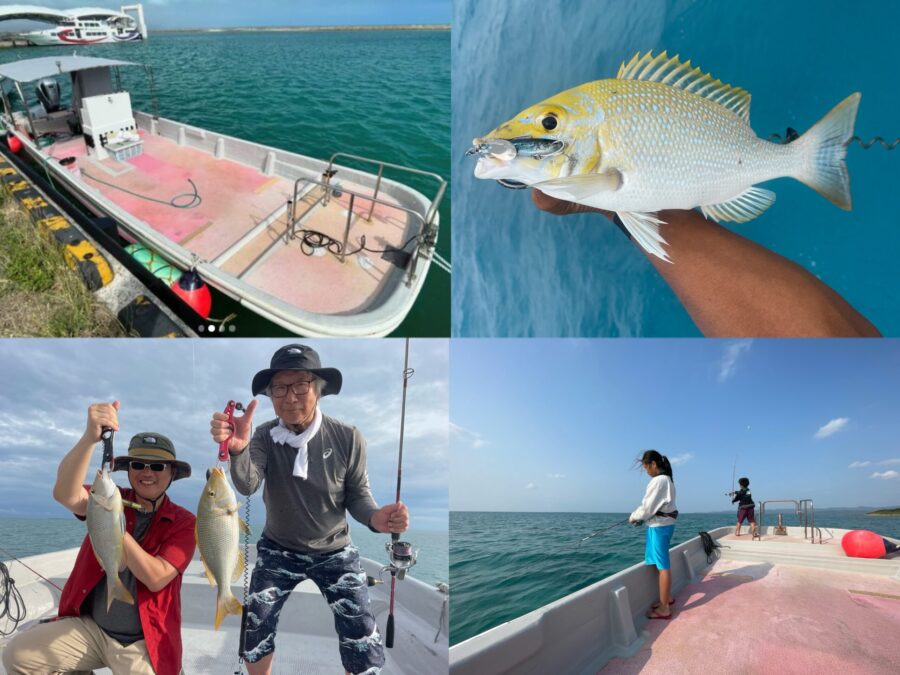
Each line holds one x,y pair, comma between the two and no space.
218,537
662,135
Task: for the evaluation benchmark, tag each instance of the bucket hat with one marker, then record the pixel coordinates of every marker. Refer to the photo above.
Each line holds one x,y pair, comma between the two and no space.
298,357
153,447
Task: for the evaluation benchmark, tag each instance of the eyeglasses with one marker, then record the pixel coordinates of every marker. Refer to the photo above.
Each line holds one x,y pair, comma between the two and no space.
299,388
155,466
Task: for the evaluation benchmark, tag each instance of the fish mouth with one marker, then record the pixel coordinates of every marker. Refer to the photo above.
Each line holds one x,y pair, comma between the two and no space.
507,149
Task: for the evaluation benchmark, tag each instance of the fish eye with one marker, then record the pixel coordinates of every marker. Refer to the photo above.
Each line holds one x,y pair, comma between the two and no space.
549,121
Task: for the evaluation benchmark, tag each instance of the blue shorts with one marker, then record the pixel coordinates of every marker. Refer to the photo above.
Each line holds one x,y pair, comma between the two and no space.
657,550
343,583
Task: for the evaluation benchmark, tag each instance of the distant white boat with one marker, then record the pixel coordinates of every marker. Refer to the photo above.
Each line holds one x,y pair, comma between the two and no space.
306,641
787,604
80,25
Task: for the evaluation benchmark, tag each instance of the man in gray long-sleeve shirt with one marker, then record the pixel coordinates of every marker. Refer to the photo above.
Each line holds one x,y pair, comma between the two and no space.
314,469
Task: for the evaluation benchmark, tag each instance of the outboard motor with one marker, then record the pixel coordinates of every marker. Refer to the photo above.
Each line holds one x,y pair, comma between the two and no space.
47,91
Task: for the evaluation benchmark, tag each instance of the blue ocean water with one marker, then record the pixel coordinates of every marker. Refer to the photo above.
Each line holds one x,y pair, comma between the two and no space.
378,94
22,537
504,565
521,272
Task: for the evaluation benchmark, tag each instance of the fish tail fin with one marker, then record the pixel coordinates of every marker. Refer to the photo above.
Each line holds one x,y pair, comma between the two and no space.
227,604
823,149
115,590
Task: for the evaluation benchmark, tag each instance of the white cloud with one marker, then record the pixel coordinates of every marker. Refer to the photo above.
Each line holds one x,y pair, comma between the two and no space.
556,475
886,475
832,427
530,486
895,460
859,465
681,459
475,439
730,358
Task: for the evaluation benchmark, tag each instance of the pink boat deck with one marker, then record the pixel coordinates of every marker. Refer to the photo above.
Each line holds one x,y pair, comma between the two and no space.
759,618
235,200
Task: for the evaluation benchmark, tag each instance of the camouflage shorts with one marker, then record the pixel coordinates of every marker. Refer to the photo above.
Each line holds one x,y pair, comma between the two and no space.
340,579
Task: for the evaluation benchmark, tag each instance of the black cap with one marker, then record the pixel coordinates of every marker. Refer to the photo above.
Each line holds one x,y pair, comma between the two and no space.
298,357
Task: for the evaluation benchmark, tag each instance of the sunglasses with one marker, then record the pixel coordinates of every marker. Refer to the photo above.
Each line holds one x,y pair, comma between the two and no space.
155,466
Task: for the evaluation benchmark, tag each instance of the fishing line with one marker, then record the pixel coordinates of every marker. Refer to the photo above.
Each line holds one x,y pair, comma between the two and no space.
602,530
313,239
3,550
12,606
193,198
791,135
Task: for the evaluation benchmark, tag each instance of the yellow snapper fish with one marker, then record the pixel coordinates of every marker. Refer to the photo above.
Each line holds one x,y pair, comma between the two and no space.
218,536
106,529
662,135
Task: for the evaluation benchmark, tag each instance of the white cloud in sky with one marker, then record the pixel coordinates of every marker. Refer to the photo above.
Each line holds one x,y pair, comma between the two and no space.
684,457
895,460
886,475
832,427
530,486
729,361
556,475
859,465
473,438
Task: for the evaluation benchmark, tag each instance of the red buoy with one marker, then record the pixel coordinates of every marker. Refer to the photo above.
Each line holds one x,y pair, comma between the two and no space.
863,544
194,291
14,143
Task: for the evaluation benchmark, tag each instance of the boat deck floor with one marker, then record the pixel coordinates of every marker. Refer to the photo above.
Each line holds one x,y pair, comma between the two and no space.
240,205
752,617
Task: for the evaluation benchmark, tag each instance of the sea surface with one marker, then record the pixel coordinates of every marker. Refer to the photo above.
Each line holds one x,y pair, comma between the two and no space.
378,94
504,565
521,272
20,537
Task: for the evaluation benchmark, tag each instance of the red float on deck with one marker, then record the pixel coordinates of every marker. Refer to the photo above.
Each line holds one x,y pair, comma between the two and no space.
863,544
194,291
14,143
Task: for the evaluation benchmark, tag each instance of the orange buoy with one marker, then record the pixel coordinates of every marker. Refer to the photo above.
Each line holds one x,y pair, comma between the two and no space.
863,544
14,143
194,291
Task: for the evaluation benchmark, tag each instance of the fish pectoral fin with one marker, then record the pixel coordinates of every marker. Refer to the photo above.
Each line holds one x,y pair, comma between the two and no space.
209,575
746,206
102,502
242,524
644,229
238,567
582,187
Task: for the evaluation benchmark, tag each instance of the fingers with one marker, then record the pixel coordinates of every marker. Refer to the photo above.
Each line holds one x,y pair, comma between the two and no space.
248,412
562,208
101,415
398,517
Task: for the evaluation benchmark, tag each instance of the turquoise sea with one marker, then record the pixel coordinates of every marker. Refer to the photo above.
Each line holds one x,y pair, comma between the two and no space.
521,272
378,94
504,565
22,537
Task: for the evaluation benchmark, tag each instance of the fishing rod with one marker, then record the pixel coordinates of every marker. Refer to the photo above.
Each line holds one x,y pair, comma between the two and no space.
601,531
401,553
733,474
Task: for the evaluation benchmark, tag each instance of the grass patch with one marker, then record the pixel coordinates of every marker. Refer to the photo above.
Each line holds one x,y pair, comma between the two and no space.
40,295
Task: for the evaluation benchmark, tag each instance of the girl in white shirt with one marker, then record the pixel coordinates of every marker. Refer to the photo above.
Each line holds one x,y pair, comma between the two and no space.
658,512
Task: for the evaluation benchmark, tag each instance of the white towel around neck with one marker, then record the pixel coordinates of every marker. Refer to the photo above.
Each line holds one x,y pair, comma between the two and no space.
281,434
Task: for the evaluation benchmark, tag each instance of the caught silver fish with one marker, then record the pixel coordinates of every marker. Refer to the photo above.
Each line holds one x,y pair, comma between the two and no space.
218,536
106,529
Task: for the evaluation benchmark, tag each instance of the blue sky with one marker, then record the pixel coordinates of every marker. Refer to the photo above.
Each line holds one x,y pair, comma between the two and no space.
554,425
174,386
230,13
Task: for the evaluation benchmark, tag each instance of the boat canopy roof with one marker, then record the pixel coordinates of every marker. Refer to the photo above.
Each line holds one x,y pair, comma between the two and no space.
51,15
29,70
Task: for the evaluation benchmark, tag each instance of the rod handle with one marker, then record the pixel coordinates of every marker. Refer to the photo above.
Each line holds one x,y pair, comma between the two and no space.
389,633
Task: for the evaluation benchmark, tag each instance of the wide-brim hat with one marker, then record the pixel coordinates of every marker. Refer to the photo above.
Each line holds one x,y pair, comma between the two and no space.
152,447
298,357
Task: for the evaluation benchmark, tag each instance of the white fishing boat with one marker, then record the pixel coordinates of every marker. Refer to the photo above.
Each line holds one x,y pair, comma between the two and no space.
80,25
317,247
306,641
781,603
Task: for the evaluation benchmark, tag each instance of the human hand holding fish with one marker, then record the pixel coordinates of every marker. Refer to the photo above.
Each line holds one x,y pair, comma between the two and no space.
240,429
101,415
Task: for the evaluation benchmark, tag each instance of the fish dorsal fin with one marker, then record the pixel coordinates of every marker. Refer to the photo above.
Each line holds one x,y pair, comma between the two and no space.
671,71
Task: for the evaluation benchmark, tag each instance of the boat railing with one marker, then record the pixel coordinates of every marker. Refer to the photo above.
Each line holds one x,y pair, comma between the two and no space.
435,202
294,219
806,515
